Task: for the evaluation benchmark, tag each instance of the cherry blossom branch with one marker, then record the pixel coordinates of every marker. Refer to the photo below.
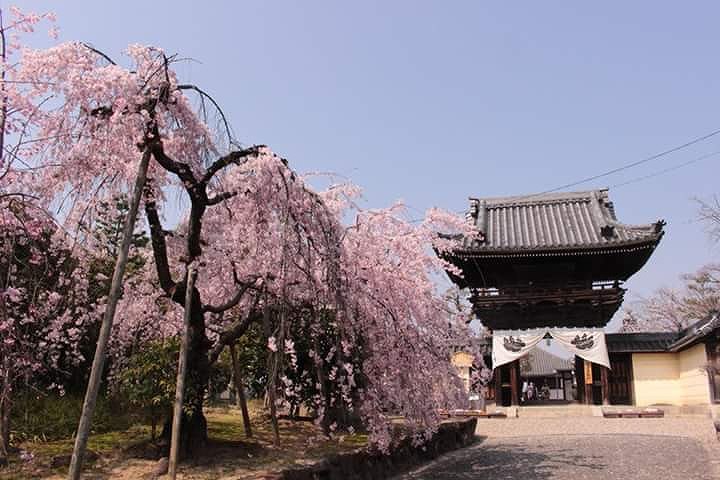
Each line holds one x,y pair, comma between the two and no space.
3,99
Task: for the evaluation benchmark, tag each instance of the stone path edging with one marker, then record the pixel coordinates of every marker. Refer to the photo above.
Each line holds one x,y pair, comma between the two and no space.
366,465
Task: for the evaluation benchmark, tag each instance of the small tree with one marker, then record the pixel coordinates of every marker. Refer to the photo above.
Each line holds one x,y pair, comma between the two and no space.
710,214
480,379
673,309
44,310
148,380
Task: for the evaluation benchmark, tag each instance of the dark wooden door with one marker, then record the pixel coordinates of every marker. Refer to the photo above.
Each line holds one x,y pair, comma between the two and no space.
620,379
713,355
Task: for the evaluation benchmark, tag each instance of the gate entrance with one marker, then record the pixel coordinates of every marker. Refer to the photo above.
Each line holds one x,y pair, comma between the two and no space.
550,263
544,379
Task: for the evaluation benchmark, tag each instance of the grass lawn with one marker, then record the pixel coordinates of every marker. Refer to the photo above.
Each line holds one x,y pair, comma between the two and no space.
229,454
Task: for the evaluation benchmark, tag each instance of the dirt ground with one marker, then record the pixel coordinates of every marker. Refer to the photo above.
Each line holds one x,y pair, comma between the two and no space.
229,454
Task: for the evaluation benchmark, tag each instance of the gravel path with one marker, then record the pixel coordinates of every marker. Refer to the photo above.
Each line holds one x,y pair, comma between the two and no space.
583,448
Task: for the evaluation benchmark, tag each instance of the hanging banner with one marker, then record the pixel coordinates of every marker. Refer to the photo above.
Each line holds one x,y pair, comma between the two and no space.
586,343
509,345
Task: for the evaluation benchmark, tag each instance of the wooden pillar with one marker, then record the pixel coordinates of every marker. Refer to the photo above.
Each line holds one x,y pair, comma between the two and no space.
588,380
604,371
579,390
514,383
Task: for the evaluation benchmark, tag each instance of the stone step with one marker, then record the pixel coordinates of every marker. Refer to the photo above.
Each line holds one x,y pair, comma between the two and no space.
597,410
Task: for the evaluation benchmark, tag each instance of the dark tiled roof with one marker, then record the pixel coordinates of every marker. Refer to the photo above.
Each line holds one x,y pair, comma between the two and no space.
663,341
696,332
542,363
554,221
640,342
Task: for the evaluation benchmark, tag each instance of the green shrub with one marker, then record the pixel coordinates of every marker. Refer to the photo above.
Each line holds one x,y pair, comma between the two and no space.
147,382
220,376
52,417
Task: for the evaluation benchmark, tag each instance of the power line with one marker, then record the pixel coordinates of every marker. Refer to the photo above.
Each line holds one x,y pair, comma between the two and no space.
666,170
630,165
634,164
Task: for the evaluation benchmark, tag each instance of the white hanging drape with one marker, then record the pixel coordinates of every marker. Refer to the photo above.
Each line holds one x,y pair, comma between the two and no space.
587,343
509,345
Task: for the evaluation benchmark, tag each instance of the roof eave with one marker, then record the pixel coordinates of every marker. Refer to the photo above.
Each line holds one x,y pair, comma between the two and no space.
619,247
697,335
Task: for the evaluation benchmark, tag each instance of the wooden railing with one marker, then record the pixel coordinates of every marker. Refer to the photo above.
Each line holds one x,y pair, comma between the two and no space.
535,293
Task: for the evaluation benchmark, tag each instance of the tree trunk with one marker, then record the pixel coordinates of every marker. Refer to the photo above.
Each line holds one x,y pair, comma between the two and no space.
181,375
193,430
4,430
193,434
324,391
241,401
198,376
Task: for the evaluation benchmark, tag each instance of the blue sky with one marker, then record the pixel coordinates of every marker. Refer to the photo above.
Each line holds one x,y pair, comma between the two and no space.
431,102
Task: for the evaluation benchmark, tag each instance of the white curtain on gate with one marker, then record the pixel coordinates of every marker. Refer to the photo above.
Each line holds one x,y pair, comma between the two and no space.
587,343
509,345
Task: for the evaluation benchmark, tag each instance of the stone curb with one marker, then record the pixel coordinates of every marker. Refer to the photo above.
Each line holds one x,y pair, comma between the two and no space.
366,465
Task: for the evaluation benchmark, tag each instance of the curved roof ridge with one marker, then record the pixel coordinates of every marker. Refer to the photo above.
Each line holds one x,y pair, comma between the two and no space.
539,197
554,221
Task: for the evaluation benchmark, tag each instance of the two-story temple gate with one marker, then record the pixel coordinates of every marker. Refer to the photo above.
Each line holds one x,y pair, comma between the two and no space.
550,265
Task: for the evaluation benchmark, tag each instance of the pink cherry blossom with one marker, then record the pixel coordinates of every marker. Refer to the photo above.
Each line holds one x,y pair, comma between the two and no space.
269,246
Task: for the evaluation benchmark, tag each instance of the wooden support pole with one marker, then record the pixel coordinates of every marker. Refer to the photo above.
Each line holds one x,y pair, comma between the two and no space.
604,385
181,374
240,390
514,382
83,431
588,380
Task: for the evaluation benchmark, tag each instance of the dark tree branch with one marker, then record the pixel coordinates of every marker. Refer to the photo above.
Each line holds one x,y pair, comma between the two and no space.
212,100
95,50
196,190
232,157
178,168
220,197
234,331
17,194
710,214
193,243
233,301
157,236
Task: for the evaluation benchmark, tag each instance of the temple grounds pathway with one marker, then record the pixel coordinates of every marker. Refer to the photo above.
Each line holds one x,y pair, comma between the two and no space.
583,448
